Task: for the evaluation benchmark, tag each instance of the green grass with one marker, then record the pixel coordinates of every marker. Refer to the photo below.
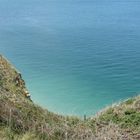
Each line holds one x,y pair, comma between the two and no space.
127,117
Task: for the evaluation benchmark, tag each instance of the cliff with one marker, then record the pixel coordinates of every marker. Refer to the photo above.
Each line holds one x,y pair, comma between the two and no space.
21,119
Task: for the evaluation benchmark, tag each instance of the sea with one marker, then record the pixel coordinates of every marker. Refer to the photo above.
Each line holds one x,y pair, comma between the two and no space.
76,56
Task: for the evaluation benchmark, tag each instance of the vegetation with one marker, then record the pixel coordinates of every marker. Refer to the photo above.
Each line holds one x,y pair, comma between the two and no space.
21,119
125,117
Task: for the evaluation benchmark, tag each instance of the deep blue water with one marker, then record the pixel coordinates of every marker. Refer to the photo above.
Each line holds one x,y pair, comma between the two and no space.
76,56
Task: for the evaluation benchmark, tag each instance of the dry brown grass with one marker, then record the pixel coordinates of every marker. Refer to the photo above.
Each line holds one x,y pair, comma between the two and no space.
21,119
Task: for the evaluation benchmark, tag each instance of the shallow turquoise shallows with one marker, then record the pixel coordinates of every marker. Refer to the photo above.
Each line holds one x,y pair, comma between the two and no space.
76,56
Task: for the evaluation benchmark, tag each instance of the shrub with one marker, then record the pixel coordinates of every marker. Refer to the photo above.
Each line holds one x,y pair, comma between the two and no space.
130,101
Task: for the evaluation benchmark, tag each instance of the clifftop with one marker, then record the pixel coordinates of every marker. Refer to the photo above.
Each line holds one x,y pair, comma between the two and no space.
11,80
21,119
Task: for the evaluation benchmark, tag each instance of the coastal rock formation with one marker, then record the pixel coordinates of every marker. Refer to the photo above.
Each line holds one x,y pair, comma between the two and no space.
21,119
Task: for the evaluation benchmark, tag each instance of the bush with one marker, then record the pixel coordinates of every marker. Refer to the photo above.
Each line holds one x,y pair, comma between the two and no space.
109,115
130,101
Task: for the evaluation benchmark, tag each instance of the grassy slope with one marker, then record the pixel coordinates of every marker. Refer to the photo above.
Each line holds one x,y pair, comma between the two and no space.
21,119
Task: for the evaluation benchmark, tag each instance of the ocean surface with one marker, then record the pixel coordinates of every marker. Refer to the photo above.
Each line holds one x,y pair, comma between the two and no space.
76,56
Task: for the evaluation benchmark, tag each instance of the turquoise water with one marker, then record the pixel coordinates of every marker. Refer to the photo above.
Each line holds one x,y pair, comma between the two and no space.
76,56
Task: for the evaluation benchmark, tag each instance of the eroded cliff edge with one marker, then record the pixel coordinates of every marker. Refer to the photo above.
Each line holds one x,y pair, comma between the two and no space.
21,119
